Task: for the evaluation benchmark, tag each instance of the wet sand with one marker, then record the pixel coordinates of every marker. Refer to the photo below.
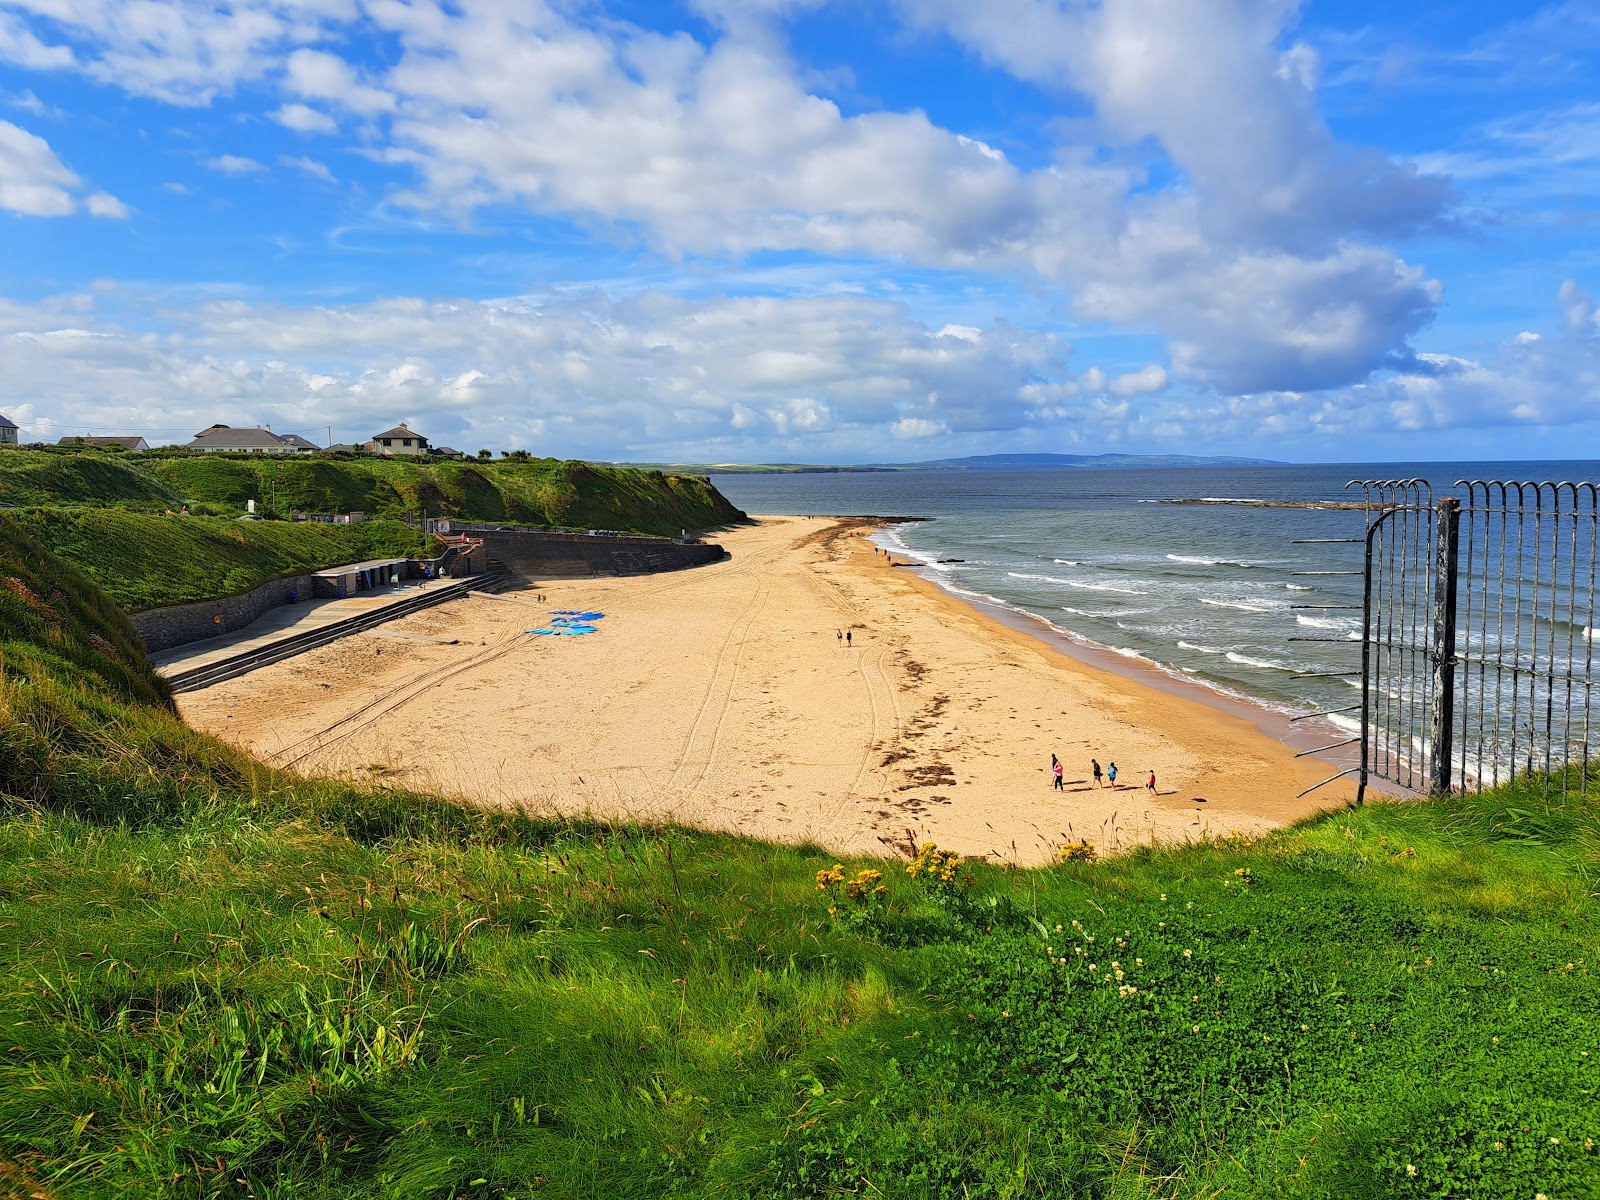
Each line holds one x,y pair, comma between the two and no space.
723,697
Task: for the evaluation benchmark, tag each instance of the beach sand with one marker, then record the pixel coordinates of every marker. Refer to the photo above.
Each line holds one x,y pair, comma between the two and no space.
722,697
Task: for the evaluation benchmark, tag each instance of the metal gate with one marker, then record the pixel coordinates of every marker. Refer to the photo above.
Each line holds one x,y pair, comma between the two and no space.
1478,635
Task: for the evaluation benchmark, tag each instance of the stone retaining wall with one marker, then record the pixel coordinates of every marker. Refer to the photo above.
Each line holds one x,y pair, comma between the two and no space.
162,628
539,555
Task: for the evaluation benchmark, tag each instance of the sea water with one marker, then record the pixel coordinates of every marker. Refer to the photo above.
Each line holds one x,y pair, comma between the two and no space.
1224,595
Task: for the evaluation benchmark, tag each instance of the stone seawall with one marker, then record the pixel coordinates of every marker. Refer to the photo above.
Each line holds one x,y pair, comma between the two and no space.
162,628
540,555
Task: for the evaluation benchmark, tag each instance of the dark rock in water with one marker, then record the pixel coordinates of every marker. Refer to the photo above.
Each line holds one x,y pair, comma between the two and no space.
950,560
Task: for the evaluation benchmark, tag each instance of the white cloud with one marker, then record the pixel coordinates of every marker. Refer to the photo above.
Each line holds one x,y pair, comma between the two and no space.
1259,266
310,166
103,204
234,164
302,118
660,375
35,183
179,51
319,75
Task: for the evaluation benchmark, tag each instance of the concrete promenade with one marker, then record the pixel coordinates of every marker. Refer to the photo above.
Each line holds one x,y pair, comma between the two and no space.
275,625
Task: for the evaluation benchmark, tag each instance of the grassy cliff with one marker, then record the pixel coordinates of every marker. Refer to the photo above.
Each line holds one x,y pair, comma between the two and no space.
533,492
221,980
79,477
537,492
149,560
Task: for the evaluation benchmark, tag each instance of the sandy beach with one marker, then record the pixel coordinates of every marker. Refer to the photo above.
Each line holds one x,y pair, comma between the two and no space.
724,697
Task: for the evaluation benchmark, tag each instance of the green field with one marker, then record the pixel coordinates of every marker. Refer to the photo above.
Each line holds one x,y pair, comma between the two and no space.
225,981
540,491
148,560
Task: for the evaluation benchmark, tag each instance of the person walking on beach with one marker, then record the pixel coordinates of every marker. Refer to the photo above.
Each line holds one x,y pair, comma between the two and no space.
847,636
1151,785
1111,774
1095,764
838,635
1055,767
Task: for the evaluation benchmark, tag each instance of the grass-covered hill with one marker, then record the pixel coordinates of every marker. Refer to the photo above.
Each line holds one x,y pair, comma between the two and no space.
79,477
149,560
541,491
217,980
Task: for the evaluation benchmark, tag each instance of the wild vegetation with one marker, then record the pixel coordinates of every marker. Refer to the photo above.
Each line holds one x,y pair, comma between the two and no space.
221,980
524,491
148,560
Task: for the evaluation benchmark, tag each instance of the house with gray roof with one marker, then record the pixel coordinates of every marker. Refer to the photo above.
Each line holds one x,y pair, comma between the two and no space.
261,440
130,444
8,431
400,440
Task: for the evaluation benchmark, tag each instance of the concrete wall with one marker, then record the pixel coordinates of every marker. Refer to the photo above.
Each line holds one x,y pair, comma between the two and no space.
540,555
161,628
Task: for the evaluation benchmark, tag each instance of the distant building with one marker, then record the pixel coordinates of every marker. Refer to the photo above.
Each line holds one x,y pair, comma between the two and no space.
400,440
8,431
224,439
129,444
445,452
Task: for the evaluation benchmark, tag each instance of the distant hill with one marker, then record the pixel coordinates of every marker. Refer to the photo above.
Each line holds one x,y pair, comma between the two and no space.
976,462
538,491
1039,462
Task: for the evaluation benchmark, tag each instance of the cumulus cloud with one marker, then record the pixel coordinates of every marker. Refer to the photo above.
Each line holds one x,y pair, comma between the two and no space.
234,164
302,118
184,52
660,375
1261,266
310,166
35,183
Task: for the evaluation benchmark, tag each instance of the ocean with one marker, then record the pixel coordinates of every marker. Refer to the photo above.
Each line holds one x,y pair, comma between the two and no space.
1213,594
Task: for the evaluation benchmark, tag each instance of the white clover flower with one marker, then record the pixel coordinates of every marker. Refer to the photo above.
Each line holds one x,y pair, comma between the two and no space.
1092,967
1188,953
1138,962
1411,1172
1197,1029
1305,1029
1163,895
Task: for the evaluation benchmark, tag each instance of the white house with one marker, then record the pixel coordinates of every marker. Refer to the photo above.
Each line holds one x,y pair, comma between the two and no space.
8,431
400,440
223,439
131,444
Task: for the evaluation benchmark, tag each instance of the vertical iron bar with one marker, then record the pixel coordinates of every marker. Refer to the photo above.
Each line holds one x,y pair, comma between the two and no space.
1366,659
1550,672
1516,625
1466,625
1589,621
1446,564
1572,647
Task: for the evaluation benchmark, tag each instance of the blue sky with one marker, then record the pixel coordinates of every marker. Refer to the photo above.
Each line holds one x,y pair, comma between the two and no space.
740,230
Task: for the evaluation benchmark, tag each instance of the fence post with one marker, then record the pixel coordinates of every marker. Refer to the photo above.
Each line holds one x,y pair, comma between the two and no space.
1442,650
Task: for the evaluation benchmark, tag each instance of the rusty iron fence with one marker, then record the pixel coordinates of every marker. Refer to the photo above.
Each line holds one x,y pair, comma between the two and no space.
1478,635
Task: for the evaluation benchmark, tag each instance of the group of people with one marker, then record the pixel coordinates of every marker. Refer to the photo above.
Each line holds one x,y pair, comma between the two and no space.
1101,775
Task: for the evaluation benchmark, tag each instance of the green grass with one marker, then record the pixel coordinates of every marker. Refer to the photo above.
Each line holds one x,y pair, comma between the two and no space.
540,491
537,492
149,560
79,477
226,981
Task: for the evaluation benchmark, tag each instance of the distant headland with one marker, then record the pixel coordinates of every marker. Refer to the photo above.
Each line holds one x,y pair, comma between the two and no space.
975,462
